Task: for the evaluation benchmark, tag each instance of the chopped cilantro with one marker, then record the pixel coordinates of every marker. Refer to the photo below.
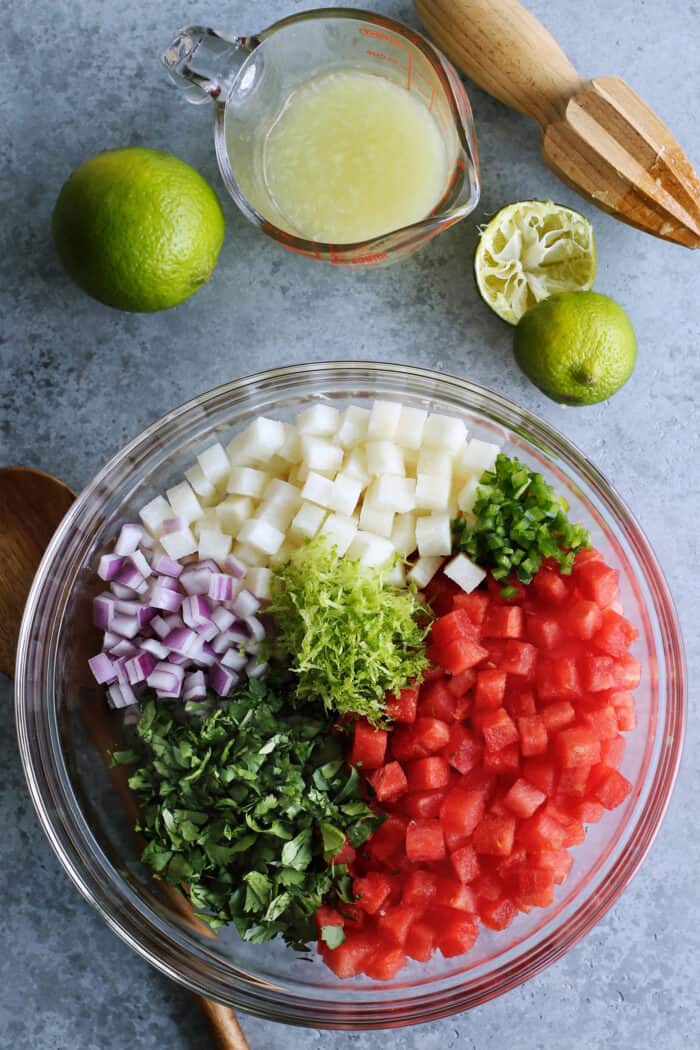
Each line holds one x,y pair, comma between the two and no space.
245,806
520,521
348,634
333,936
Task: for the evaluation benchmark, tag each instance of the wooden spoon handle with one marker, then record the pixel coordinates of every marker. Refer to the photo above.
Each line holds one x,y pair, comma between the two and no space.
502,47
224,1026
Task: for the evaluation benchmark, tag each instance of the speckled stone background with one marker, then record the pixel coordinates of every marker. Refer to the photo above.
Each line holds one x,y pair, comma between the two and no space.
78,379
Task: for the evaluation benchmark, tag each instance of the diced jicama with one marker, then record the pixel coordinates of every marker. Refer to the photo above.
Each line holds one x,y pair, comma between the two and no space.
369,549
319,419
445,432
393,493
307,521
259,582
128,540
247,481
434,536
353,426
179,544
320,455
340,530
384,457
214,464
464,572
318,489
257,443
205,490
184,503
290,449
397,575
478,456
403,535
432,493
434,461
208,520
250,556
261,535
409,432
356,466
277,514
232,512
380,522
423,570
346,493
174,524
214,544
154,514
467,494
383,420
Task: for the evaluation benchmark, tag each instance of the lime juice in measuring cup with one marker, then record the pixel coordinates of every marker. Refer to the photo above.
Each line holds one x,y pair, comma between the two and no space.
343,135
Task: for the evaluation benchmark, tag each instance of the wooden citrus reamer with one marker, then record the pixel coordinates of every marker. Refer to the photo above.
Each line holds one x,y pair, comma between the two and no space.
598,135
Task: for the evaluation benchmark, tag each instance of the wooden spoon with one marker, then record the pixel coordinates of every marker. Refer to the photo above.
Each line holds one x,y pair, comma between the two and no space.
598,135
31,506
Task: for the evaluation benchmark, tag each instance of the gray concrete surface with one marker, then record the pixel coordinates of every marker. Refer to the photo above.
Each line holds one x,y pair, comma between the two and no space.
78,379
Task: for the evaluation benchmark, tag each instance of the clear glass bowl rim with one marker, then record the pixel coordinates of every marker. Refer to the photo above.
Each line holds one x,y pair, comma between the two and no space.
63,821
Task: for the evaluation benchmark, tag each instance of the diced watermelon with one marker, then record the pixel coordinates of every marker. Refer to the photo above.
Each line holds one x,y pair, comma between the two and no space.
524,798
504,761
460,684
533,735
549,586
488,886
371,891
597,582
384,963
557,678
425,841
615,634
494,835
346,855
628,672
451,893
611,788
612,751
424,737
449,628
533,886
540,772
420,805
465,863
420,888
490,688
520,700
459,655
474,605
597,673
498,914
601,720
558,861
368,746
503,621
427,774
543,631
326,916
463,750
387,840
557,716
577,747
420,942
519,658
573,781
499,729
541,832
437,701
461,812
456,932
348,959
402,708
393,924
582,618
388,782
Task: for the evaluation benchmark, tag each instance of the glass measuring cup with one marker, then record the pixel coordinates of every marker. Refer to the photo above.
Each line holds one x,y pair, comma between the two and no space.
250,78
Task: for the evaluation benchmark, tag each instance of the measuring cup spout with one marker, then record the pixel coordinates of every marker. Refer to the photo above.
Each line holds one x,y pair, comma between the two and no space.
203,63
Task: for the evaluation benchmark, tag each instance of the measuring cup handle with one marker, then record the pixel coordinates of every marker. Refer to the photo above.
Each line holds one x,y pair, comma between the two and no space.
203,63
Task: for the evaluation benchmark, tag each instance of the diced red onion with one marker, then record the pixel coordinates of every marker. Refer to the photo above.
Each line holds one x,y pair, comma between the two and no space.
195,580
128,540
144,615
220,587
160,626
120,591
109,566
235,567
225,640
174,524
130,576
167,677
179,658
121,695
173,621
126,626
103,610
139,562
223,618
139,667
255,669
234,659
207,631
152,645
110,639
194,686
255,628
129,606
123,648
180,640
102,669
169,582
166,566
120,668
221,680
245,604
164,598
202,654
195,610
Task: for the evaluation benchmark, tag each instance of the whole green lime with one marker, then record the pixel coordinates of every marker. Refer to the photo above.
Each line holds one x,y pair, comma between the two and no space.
138,229
577,347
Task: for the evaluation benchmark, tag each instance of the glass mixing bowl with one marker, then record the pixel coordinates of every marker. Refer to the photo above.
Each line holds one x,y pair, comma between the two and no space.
64,726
